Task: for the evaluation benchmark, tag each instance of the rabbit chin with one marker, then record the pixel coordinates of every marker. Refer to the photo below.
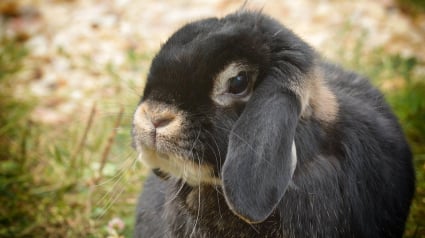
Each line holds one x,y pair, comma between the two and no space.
192,173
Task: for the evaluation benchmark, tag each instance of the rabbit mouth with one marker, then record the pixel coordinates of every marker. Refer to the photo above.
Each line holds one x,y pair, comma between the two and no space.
178,166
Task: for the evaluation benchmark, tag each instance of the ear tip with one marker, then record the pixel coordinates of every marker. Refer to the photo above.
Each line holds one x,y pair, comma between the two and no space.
249,220
245,212
246,217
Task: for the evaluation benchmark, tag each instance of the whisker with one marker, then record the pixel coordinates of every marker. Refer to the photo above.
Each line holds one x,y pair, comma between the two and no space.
217,194
116,179
111,202
120,172
199,200
109,194
175,195
196,140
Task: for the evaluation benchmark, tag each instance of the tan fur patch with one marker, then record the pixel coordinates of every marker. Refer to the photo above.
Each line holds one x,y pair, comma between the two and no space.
184,168
318,100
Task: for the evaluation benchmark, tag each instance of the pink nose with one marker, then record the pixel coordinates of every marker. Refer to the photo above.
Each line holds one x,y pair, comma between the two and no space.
160,122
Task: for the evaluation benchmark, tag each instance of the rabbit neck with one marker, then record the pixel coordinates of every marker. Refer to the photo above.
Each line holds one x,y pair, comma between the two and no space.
203,212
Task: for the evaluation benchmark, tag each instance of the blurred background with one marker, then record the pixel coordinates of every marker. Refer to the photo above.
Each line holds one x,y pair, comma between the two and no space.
72,72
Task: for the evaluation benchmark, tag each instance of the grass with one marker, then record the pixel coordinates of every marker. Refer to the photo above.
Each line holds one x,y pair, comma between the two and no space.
72,180
65,180
412,6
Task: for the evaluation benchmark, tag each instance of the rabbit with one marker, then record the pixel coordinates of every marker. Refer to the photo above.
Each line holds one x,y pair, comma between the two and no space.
248,132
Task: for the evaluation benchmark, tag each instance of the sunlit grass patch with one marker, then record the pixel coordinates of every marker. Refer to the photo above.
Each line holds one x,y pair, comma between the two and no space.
67,179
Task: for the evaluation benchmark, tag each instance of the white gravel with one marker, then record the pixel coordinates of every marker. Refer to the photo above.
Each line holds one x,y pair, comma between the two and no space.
76,47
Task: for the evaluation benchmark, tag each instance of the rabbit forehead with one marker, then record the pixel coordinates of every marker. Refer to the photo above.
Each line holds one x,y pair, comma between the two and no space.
185,67
184,76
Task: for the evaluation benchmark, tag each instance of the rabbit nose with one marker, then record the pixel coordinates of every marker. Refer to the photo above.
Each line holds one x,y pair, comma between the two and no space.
161,121
150,115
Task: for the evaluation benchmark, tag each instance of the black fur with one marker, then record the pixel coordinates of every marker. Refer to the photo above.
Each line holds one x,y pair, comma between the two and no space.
354,176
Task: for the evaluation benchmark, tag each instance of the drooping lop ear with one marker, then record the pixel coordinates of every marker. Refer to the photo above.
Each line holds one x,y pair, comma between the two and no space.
261,155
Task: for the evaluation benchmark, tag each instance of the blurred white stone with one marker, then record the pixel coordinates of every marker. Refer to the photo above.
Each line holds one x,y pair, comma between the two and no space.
73,43
38,45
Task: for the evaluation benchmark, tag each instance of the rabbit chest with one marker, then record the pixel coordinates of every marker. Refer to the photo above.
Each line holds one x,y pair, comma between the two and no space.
203,212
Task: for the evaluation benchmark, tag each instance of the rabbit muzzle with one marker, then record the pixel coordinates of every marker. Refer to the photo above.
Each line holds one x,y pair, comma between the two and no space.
159,138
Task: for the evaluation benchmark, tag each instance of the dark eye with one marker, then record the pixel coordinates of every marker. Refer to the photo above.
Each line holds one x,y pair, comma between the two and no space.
238,84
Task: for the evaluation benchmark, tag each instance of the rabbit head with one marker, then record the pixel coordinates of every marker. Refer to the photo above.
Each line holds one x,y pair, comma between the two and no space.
221,105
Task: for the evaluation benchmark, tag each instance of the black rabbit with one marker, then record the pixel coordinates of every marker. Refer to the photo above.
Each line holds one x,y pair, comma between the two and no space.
251,134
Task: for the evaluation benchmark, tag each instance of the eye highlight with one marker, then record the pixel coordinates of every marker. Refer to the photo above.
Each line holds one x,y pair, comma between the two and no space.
239,84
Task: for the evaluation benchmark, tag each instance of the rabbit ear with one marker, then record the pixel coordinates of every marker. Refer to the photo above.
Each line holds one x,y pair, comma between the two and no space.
261,155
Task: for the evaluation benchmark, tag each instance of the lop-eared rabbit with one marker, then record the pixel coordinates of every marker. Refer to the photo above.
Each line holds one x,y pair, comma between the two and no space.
249,133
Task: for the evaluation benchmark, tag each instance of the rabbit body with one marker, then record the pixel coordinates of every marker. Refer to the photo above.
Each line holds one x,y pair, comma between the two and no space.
352,175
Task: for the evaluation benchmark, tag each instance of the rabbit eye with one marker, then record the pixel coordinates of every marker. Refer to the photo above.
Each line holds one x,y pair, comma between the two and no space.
239,84
234,83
